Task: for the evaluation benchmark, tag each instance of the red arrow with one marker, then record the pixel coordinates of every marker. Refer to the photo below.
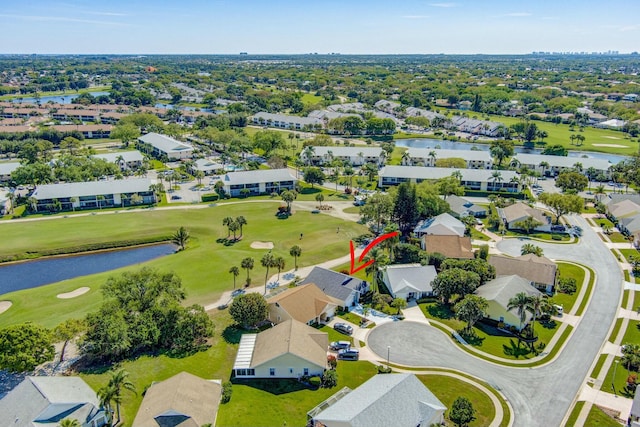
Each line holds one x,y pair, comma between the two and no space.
370,246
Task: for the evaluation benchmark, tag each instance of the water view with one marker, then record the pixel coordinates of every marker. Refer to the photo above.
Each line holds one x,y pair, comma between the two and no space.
31,274
58,99
456,145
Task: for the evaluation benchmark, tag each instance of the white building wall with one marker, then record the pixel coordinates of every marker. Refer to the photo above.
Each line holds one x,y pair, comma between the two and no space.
288,366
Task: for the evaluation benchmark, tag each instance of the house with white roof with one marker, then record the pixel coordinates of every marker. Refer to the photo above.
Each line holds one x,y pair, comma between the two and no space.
474,159
126,160
163,146
471,179
207,166
288,350
5,170
499,291
45,401
441,225
409,281
548,165
93,194
260,181
284,121
399,400
355,156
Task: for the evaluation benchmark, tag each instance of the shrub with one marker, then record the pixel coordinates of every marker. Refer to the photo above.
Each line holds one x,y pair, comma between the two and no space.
567,285
383,369
315,382
333,362
329,379
227,391
556,237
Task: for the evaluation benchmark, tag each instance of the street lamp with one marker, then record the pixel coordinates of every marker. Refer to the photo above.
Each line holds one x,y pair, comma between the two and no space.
613,381
388,349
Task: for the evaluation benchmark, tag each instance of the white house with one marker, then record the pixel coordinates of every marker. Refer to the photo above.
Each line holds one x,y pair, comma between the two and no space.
399,400
474,159
461,207
548,165
256,182
126,160
355,156
441,225
409,281
207,166
345,288
162,146
284,121
45,401
5,170
93,194
288,350
517,212
499,291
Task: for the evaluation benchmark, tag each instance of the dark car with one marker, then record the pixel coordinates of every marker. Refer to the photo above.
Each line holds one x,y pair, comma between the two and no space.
350,354
340,345
344,328
175,197
237,292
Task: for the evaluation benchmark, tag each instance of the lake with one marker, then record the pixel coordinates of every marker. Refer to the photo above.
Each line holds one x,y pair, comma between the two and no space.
40,272
58,99
456,145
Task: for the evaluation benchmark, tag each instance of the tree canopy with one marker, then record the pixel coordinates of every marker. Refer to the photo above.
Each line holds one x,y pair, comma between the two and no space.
25,346
562,204
248,309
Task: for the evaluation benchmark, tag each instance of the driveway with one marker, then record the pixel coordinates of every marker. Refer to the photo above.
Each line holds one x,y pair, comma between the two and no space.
539,396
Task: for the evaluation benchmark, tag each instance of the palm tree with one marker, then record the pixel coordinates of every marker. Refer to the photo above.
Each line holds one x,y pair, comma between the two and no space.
181,237
320,199
432,156
236,272
227,221
457,175
295,252
537,305
241,221
519,303
247,264
100,199
380,259
119,381
106,394
12,199
267,261
279,262
406,158
599,191
544,166
496,177
308,153
68,422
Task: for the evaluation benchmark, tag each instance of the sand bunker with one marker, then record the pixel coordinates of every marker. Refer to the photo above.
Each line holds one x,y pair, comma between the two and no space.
262,245
611,137
75,293
4,306
610,145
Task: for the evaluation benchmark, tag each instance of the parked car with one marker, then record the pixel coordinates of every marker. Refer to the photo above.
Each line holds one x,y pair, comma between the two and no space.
558,228
340,345
237,292
344,328
350,354
175,197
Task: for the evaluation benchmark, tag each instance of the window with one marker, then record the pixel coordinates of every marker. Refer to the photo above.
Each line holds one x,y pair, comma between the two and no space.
306,371
291,370
272,372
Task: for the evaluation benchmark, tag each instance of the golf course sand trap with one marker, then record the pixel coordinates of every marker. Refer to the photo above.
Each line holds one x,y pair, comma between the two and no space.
611,137
609,145
75,293
4,306
262,245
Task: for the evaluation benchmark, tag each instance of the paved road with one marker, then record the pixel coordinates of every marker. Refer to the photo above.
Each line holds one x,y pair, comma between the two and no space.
540,396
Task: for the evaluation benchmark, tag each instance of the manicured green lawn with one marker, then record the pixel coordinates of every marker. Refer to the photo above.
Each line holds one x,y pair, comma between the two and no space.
632,334
351,317
598,418
574,414
396,156
604,222
335,335
352,210
560,237
616,330
628,253
203,267
598,367
447,389
477,235
618,238
310,99
360,274
569,271
621,375
277,403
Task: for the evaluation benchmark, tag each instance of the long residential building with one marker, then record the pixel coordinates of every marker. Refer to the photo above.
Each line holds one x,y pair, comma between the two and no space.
355,156
251,183
284,121
162,146
5,170
126,160
471,179
428,157
92,194
552,165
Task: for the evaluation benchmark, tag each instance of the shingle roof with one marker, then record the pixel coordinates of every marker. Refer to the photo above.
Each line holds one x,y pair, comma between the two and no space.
257,176
520,211
304,303
183,396
449,246
292,337
398,400
631,223
462,206
623,208
420,172
531,267
164,143
503,288
334,284
443,224
403,278
91,188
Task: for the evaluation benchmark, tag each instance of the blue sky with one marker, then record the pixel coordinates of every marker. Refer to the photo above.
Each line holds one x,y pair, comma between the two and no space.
303,26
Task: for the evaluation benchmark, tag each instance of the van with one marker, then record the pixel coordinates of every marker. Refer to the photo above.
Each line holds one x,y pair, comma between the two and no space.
349,354
559,309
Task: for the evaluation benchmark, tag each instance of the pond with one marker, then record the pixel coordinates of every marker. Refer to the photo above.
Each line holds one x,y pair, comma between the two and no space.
458,145
40,272
58,99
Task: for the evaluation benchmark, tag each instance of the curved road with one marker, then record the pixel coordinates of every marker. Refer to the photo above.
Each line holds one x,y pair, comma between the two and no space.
539,396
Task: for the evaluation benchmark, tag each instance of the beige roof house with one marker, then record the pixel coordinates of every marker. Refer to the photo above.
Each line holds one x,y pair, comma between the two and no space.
623,208
449,246
183,400
305,303
499,291
540,271
288,350
519,212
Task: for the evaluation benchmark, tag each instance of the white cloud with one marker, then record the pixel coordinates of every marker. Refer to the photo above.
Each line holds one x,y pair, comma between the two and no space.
105,13
58,19
626,28
415,16
517,14
446,5
551,18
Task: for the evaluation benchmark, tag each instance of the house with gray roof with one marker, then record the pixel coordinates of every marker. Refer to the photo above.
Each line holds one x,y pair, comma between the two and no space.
45,401
163,146
288,350
284,121
5,170
461,207
441,225
409,281
93,194
513,214
474,159
499,291
207,166
126,160
399,400
355,156
472,179
634,415
259,181
343,287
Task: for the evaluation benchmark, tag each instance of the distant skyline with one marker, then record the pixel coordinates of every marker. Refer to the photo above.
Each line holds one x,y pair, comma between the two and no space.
297,27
